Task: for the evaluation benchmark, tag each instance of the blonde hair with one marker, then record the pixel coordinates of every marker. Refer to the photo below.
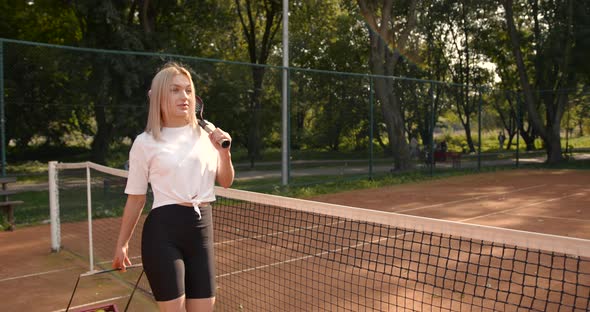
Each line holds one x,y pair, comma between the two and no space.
159,94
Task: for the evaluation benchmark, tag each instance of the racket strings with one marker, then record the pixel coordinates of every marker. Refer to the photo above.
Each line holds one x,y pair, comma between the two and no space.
199,106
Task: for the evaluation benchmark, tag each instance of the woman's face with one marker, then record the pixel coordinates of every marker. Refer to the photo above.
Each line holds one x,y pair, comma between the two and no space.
177,110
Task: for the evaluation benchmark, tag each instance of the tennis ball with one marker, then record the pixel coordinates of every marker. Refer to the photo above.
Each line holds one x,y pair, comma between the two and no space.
100,310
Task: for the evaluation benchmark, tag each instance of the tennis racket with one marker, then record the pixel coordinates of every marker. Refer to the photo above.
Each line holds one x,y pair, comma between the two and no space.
199,106
90,273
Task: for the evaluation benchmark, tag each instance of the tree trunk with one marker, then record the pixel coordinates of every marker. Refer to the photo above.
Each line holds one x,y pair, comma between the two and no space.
468,137
528,137
553,146
103,136
254,137
553,140
100,143
383,61
562,77
522,74
391,110
258,53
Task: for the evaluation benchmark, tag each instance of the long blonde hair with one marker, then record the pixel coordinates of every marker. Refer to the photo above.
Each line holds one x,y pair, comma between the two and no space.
159,94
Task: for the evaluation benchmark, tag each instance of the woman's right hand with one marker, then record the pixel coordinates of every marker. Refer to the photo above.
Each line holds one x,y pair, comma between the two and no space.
121,260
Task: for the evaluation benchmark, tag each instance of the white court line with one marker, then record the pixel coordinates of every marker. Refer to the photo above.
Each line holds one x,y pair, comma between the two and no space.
524,206
36,274
48,272
546,217
93,303
470,199
275,233
319,254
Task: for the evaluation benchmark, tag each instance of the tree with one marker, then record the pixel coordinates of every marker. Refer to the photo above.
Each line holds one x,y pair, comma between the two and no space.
464,96
507,100
390,26
260,23
434,28
118,81
329,111
552,68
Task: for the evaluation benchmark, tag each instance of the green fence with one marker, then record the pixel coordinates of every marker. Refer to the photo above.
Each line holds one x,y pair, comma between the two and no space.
70,104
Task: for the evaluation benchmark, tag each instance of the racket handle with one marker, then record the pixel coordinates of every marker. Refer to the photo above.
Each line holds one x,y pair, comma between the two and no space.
225,143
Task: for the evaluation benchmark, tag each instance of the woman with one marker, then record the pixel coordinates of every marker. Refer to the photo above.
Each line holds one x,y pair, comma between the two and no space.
182,163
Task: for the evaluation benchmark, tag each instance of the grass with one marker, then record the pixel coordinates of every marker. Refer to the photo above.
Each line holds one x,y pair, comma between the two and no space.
35,209
305,187
577,142
28,172
106,202
109,202
489,143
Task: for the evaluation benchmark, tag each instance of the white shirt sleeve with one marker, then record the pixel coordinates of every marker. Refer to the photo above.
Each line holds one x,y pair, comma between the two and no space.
137,180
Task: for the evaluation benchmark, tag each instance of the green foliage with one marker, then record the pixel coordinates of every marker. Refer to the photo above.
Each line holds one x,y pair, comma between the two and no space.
77,105
306,190
108,197
35,208
577,142
50,21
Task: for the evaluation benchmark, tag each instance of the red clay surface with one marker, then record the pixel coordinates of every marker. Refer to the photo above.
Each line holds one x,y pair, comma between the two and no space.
545,201
32,278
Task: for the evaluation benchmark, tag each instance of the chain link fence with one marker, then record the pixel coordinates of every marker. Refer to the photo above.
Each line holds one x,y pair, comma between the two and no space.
73,104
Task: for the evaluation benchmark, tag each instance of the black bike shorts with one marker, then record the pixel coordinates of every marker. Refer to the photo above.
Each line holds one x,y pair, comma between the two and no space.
177,252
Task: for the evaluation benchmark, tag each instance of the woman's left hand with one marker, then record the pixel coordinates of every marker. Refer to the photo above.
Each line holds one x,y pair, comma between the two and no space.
217,136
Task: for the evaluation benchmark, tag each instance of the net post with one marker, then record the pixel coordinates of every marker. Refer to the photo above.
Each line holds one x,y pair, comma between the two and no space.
54,207
89,211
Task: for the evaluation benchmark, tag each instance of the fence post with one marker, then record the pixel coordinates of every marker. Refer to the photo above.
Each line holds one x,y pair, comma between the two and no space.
432,125
2,117
518,122
479,129
285,98
371,126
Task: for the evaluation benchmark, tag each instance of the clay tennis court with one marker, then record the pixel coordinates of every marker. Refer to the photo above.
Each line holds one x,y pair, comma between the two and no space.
545,201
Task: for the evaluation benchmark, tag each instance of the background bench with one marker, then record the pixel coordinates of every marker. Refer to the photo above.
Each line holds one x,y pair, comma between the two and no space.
440,156
6,204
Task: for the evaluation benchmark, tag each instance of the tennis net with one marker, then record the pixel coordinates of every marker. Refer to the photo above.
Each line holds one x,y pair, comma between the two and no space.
283,254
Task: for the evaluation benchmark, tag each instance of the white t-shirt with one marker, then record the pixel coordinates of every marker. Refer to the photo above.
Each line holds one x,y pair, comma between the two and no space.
181,167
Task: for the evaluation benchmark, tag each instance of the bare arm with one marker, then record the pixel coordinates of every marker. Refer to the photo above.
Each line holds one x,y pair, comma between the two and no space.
131,214
225,167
